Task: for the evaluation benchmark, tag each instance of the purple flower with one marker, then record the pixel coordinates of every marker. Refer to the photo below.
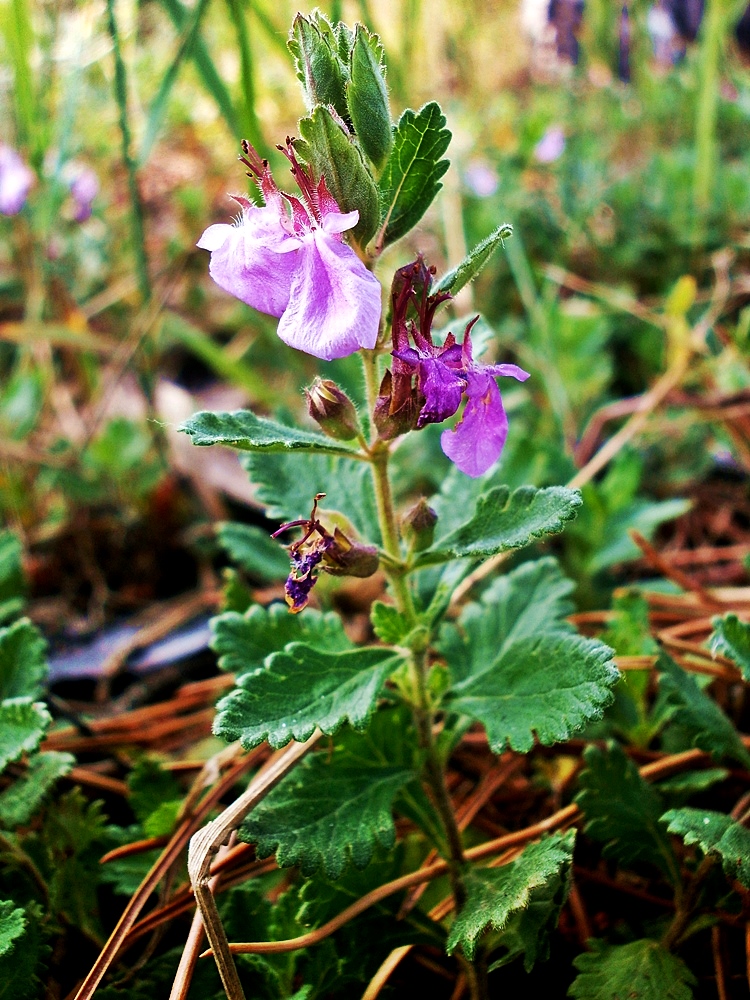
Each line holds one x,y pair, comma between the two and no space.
551,146
15,181
287,259
84,187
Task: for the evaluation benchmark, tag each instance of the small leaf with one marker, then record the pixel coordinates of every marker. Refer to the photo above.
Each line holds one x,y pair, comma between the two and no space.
715,833
473,263
151,786
303,688
23,663
495,893
320,68
243,430
12,584
335,807
709,728
12,925
22,726
504,520
20,802
547,685
367,97
731,638
622,810
242,642
681,787
254,550
388,624
332,153
641,969
21,952
411,177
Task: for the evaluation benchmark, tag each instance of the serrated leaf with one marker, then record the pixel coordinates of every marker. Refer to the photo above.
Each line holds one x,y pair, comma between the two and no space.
715,833
243,430
242,642
411,177
335,807
472,264
150,787
367,97
528,931
23,663
545,686
622,810
388,624
288,483
495,893
12,584
332,153
503,521
731,638
22,726
699,714
531,599
320,68
641,970
20,952
254,550
21,801
303,688
12,925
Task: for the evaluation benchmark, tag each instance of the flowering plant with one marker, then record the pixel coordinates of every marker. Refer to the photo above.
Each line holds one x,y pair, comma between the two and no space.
395,706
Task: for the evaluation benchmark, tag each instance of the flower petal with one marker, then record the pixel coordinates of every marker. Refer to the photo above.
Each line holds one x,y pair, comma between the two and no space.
16,180
334,301
442,390
477,440
337,222
512,370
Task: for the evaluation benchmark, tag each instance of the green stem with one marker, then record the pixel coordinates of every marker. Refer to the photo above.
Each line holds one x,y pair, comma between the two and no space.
686,902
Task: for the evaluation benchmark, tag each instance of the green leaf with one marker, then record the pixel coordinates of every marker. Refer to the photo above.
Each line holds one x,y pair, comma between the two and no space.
242,642
333,808
411,177
681,787
320,69
731,638
22,726
503,520
546,686
287,484
641,970
714,833
388,624
622,810
367,97
699,714
151,786
12,925
20,802
495,893
473,263
330,150
23,663
303,688
12,584
243,430
20,952
531,599
254,550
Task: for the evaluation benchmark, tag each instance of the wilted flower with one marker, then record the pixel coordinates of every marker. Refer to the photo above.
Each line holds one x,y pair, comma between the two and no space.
551,146
287,259
16,180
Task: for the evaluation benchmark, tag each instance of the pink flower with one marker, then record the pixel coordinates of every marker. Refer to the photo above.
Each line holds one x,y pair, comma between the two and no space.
287,259
16,180
84,187
551,146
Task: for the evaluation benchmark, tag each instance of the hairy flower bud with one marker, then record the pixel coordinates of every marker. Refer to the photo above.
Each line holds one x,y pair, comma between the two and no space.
332,409
418,526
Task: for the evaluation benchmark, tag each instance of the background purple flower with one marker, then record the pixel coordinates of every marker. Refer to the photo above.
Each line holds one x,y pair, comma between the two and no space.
551,146
84,187
16,179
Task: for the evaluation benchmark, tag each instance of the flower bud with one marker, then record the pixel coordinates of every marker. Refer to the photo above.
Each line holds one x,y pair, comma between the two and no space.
418,527
346,558
396,408
332,409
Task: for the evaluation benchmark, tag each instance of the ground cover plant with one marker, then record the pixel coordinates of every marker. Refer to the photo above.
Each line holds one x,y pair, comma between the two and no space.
443,683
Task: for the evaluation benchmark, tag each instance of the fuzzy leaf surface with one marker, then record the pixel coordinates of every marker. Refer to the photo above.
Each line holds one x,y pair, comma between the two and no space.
20,952
367,97
622,810
21,801
242,429
23,663
528,931
495,893
301,688
503,520
715,833
455,279
547,685
411,177
319,66
699,714
242,642
254,550
334,807
731,638
12,925
388,624
641,970
22,726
